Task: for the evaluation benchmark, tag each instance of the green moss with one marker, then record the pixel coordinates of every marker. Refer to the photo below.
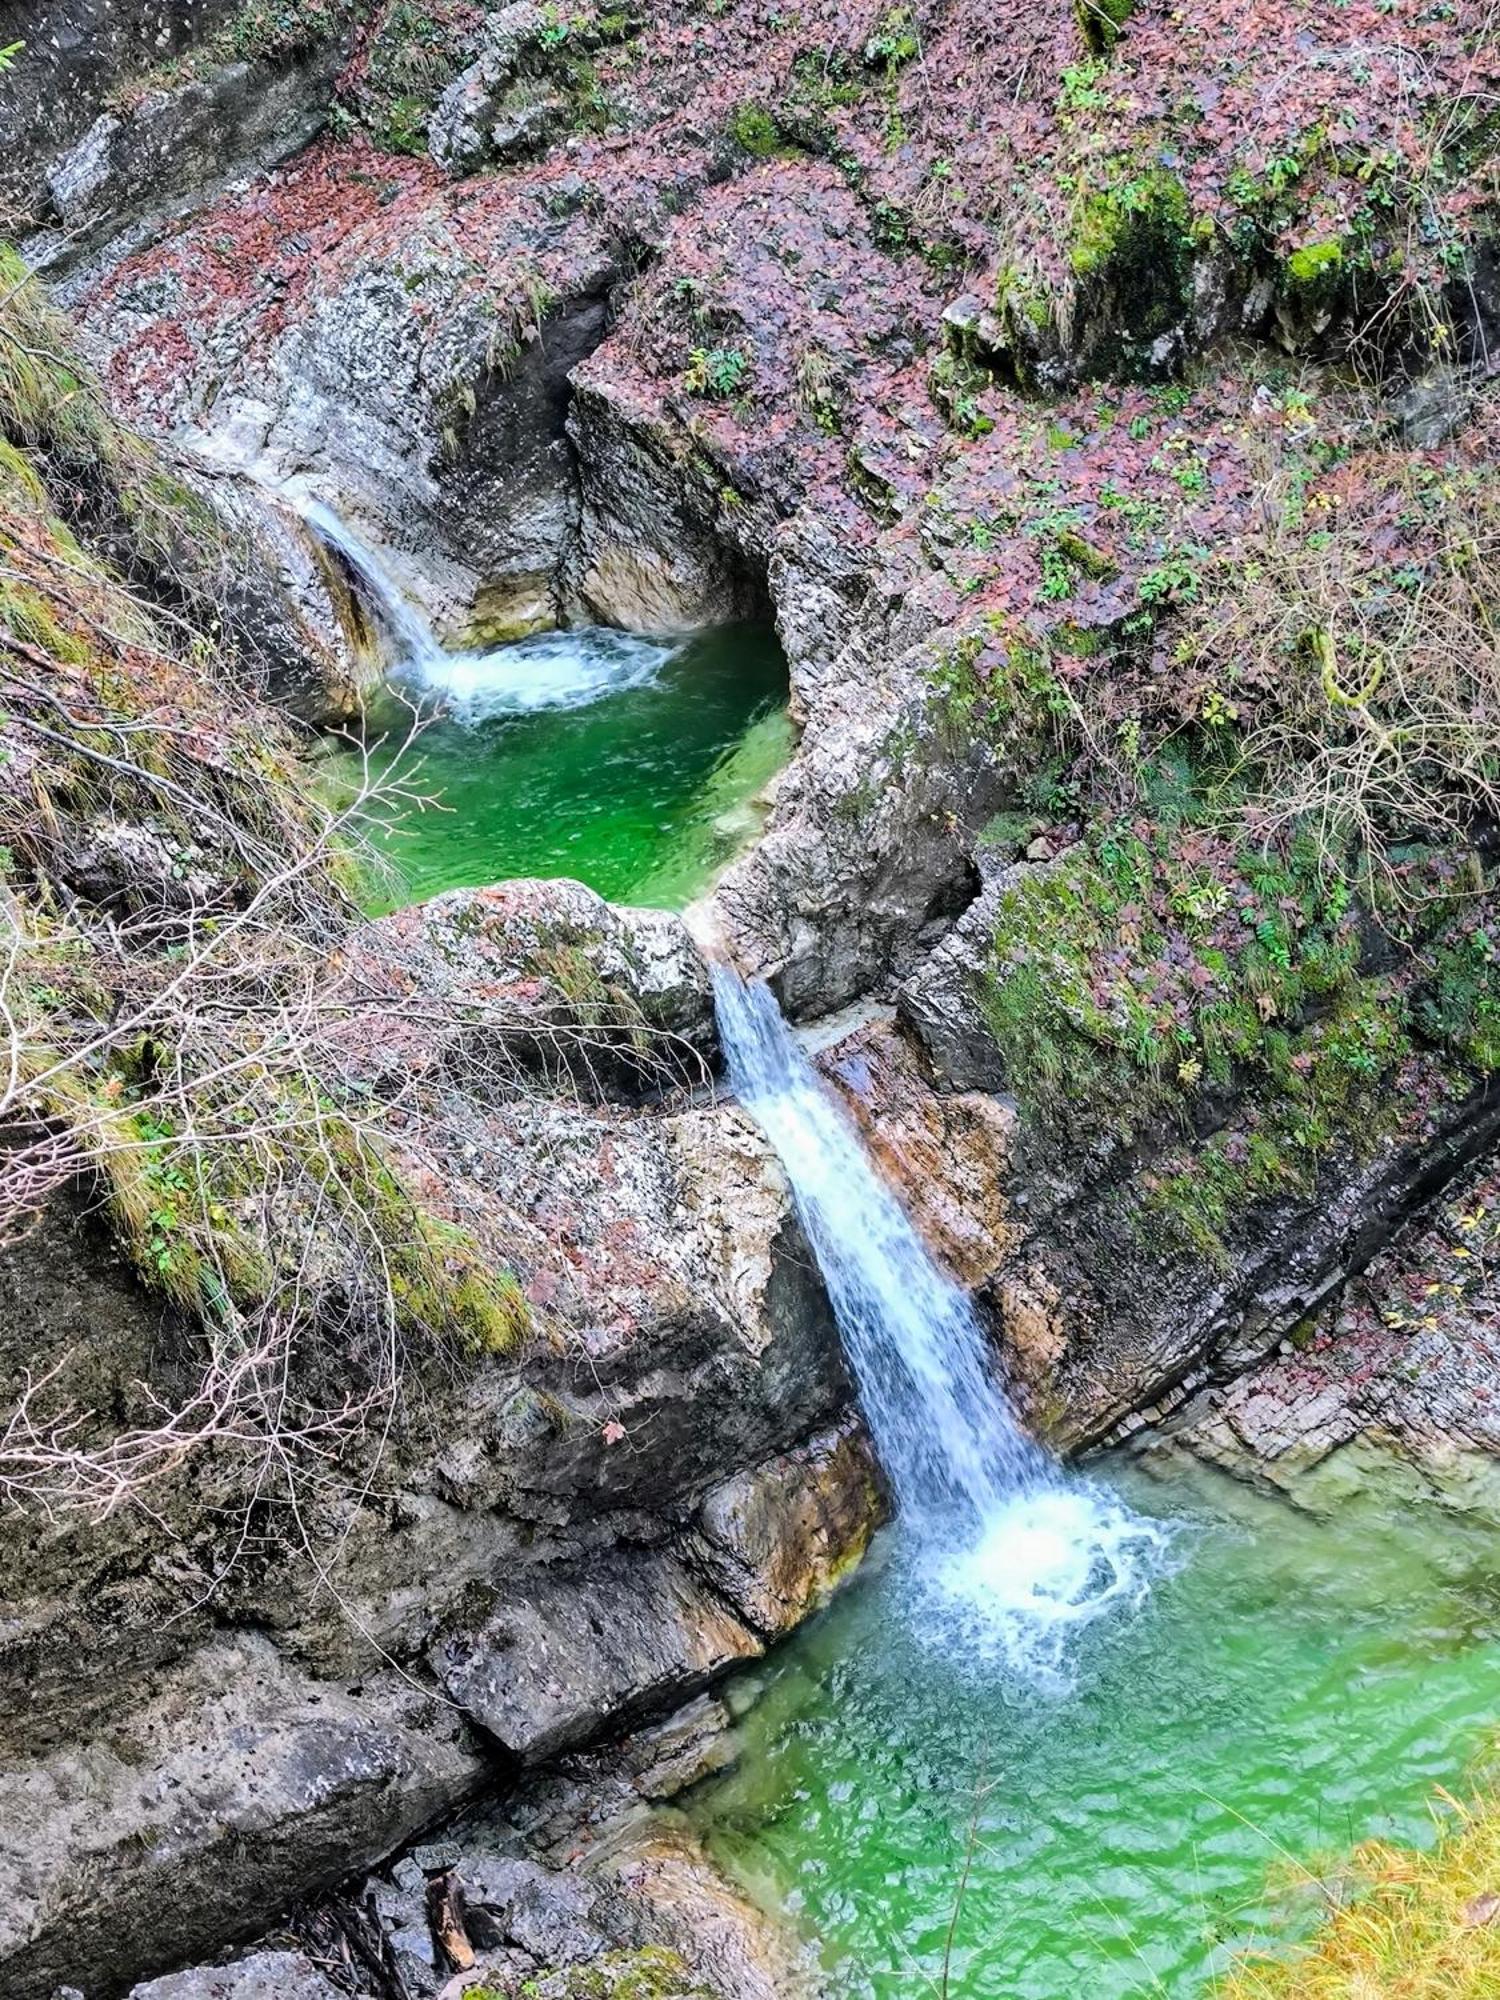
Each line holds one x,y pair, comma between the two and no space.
1143,217
1113,995
896,40
825,79
755,131
956,386
1315,263
1100,22
652,1973
403,129
1459,1004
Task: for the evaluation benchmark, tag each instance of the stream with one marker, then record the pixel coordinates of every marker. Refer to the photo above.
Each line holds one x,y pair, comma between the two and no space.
1293,1685
1065,1737
1052,1740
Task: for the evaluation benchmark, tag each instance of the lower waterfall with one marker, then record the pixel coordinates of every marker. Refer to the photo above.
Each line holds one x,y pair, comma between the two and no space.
1008,1553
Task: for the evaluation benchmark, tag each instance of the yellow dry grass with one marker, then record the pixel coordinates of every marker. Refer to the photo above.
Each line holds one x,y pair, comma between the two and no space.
1418,1925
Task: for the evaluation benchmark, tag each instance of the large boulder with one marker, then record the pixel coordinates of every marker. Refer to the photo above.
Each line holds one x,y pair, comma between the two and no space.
238,1784
545,975
547,1666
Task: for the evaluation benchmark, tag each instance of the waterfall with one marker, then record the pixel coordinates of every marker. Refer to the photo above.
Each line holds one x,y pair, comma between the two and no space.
1010,1553
414,644
548,670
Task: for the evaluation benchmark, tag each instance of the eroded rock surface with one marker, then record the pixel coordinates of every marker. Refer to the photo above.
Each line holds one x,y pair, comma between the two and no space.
1406,1359
263,1975
549,1557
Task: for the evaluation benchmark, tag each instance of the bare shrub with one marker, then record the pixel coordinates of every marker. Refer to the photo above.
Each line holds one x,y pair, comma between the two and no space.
186,1034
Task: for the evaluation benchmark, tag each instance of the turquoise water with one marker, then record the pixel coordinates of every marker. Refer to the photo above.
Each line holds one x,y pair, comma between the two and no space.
640,776
1293,1686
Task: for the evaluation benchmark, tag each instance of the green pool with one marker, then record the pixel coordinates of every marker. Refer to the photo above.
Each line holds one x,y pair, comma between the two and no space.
632,766
1292,1686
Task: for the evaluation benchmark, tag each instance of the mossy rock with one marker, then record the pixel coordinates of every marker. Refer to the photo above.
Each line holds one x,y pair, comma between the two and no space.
1132,256
653,1973
1314,289
1100,22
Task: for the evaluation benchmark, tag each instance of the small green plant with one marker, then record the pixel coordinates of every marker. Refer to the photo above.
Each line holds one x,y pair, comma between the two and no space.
1080,91
716,371
1178,579
755,131
895,41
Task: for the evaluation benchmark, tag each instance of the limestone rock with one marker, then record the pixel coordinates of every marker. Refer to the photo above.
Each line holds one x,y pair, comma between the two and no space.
950,1156
686,1903
173,147
649,559
545,1912
546,973
1403,1366
264,1975
240,1786
940,1000
487,113
552,1667
77,56
777,1541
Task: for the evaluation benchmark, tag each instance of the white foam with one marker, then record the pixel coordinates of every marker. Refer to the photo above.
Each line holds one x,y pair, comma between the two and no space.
1047,1563
551,670
1009,1556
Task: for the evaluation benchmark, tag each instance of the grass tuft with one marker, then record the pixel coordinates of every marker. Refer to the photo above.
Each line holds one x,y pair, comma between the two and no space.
1419,1925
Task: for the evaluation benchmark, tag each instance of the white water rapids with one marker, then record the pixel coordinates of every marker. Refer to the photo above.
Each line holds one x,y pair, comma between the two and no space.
549,670
1010,1555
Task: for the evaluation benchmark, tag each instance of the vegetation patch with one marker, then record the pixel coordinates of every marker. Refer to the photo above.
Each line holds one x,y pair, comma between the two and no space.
1405,1924
1161,981
174,909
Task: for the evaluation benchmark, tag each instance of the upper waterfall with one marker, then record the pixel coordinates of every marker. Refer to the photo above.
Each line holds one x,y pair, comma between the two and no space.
565,669
1019,1553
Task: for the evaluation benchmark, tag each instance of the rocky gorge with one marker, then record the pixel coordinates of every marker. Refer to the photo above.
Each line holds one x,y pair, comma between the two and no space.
421,1395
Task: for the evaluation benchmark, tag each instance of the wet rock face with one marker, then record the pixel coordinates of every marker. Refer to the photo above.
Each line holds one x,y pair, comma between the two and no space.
778,1541
298,625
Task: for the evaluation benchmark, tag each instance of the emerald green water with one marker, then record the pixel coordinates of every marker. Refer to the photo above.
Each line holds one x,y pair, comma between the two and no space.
1293,1686
637,774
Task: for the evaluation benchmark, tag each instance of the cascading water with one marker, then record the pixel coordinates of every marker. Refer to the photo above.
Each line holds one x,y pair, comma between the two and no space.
1012,1556
549,670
